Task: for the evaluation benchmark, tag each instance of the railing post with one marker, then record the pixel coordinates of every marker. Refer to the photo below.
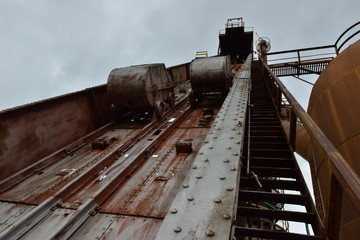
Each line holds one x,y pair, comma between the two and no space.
292,129
334,213
278,100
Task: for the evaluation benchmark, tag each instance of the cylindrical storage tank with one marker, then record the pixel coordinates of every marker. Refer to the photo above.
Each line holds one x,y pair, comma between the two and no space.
334,106
139,86
212,74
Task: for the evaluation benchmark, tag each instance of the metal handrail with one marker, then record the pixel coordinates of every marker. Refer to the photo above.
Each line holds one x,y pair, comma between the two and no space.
343,178
337,41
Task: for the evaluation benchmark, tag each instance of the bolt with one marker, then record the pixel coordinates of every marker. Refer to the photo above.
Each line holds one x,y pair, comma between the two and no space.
177,229
237,142
173,210
217,200
206,141
210,233
191,198
226,216
236,154
222,178
215,137
211,147
201,153
194,167
229,189
229,147
233,169
226,160
198,176
206,160
231,137
185,185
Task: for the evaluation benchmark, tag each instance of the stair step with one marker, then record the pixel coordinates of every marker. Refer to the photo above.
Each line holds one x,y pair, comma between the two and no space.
268,234
275,153
272,184
268,145
277,214
259,132
256,196
275,172
270,162
278,139
266,127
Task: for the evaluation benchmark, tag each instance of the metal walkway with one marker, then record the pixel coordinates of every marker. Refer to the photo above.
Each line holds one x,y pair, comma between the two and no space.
272,170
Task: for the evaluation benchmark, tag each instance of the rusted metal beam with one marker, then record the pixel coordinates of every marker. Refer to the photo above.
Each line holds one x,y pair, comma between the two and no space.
334,219
205,204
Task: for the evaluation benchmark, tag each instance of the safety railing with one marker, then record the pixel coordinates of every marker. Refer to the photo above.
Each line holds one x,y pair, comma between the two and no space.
343,179
332,50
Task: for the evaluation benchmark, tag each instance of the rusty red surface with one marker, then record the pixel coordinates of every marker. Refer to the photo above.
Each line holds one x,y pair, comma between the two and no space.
151,189
46,182
34,131
110,226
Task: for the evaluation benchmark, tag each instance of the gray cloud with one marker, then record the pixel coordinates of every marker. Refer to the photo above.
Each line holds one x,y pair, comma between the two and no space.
53,47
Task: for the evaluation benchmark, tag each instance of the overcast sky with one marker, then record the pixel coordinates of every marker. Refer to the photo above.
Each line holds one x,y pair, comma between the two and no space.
52,47
49,47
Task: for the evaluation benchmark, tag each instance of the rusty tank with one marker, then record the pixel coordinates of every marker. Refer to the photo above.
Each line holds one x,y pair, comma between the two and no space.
212,74
334,107
148,87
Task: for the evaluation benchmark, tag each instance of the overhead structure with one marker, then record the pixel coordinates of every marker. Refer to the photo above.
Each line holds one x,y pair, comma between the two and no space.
236,40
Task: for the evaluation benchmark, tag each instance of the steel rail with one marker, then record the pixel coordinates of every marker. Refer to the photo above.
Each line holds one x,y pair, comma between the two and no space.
347,179
41,211
47,161
125,168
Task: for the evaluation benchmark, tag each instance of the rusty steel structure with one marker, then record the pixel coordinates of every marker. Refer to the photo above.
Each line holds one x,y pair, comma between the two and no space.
194,151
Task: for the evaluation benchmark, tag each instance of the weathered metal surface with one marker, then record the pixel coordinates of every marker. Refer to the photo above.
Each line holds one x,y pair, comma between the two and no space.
53,222
45,182
151,189
211,74
140,86
109,226
204,207
32,132
11,212
180,73
107,181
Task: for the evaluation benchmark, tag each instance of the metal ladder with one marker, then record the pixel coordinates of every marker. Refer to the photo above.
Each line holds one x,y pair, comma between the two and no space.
272,170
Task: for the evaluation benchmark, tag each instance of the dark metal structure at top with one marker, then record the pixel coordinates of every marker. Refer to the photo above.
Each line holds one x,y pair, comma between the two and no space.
235,40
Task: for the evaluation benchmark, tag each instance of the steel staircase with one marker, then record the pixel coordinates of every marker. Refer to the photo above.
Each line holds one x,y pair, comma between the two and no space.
272,170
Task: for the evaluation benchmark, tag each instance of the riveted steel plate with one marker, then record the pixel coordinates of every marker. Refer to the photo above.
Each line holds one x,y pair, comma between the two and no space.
205,206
